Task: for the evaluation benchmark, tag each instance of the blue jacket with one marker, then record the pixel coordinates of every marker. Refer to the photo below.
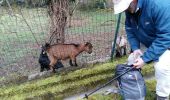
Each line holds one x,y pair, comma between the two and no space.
151,27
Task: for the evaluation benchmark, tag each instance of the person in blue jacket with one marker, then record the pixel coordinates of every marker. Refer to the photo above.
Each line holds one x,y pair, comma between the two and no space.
148,22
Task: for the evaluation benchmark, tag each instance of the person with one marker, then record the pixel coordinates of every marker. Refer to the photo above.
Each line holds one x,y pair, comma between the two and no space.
148,22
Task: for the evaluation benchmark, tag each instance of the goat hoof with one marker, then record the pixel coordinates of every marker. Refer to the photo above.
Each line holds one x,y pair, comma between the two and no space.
76,65
47,69
53,71
71,65
42,69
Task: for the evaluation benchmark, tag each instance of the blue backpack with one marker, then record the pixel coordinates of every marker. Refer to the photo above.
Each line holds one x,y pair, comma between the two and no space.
131,85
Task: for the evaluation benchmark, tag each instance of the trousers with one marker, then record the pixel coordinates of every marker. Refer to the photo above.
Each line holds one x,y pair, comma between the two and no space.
162,74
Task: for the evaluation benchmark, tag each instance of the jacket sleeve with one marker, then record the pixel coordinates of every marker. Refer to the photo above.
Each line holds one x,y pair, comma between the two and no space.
130,28
161,18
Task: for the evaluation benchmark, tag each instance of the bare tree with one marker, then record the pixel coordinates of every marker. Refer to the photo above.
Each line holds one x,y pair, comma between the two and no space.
72,8
58,11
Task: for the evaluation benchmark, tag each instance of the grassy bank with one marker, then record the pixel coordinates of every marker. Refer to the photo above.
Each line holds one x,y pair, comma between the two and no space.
65,84
150,93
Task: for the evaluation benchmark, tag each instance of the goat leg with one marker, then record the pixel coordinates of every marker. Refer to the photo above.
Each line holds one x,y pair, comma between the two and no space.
75,62
48,68
41,69
52,63
54,70
52,66
71,64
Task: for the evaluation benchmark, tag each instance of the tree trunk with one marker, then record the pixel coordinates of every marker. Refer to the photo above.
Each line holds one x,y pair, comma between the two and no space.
58,11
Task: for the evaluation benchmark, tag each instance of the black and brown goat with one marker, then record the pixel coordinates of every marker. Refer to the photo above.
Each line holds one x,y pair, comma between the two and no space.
44,62
65,51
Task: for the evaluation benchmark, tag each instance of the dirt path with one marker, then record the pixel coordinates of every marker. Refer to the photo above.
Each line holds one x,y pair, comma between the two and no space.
81,95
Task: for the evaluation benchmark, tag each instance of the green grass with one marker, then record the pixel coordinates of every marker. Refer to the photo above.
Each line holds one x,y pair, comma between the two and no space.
16,38
150,84
95,20
65,84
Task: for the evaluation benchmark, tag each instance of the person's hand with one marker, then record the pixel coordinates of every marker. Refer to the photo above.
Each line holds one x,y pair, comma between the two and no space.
137,53
139,63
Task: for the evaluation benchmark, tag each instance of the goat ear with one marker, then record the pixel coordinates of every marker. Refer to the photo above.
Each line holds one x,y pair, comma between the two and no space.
47,45
87,43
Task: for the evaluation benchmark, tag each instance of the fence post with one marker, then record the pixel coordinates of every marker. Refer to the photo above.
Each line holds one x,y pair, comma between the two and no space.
116,33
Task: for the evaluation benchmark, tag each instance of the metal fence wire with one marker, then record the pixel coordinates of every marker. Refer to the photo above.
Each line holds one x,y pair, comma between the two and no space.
24,23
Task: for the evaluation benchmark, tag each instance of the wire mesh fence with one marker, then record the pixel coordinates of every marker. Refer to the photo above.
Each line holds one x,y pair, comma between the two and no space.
23,24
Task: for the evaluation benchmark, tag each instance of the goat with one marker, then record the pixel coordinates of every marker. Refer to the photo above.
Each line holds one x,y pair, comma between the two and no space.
65,51
44,62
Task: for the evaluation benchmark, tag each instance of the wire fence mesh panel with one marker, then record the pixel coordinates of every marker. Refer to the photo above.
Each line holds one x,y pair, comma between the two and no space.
25,26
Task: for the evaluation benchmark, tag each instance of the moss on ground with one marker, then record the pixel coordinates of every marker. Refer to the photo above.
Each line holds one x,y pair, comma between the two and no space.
65,84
